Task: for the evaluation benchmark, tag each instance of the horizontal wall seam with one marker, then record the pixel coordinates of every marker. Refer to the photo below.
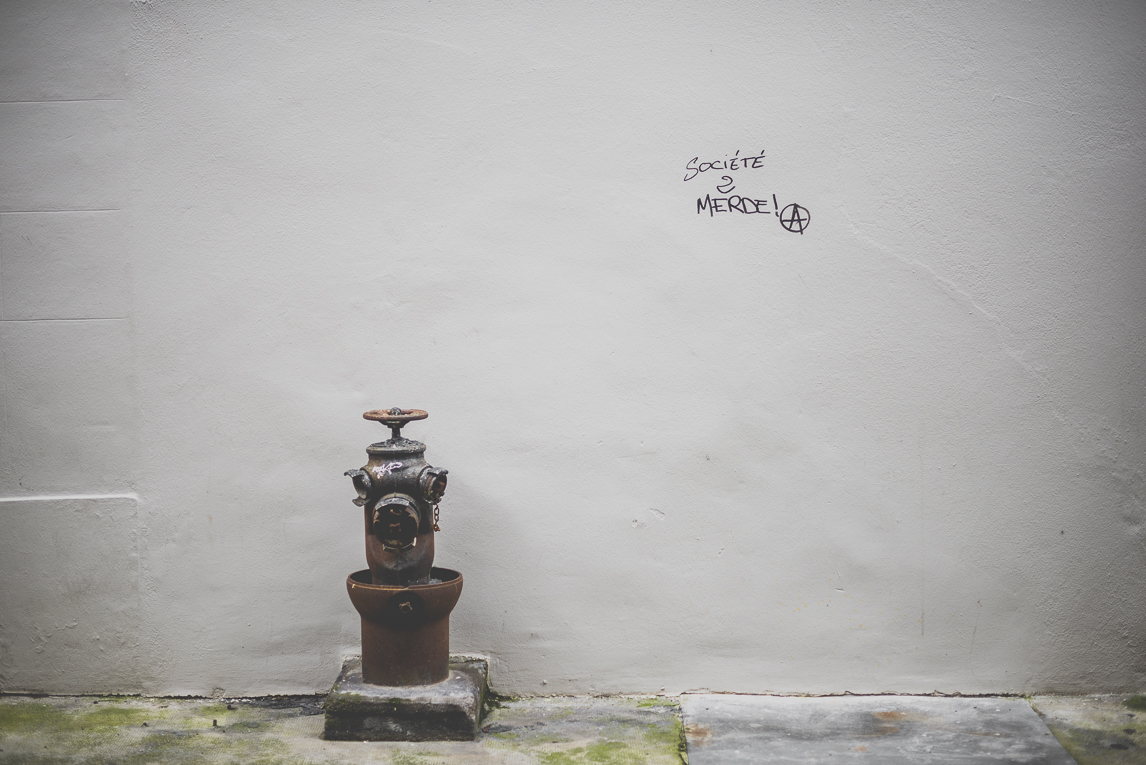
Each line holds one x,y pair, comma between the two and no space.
80,318
69,210
66,101
62,497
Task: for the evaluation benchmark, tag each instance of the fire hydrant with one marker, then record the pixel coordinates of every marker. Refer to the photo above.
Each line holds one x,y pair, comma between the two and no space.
399,493
404,602
406,686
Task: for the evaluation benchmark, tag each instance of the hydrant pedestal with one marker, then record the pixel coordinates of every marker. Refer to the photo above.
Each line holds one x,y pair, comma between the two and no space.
446,711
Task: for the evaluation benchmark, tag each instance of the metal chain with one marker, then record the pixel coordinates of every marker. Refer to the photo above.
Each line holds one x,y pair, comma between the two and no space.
436,526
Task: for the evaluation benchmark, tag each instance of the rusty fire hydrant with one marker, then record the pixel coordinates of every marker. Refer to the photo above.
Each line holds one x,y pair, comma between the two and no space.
404,602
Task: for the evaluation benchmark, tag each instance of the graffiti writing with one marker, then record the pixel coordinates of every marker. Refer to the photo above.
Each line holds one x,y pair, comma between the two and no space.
793,217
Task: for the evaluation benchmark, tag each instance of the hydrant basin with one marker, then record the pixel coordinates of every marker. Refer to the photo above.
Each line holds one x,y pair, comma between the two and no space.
405,630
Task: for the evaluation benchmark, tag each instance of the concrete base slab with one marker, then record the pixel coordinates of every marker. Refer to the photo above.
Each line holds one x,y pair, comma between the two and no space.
724,729
447,711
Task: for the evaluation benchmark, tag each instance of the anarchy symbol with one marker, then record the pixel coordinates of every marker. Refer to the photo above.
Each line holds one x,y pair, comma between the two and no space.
795,218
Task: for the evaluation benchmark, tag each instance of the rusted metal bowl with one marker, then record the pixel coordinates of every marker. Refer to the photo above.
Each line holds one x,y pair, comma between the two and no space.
405,630
384,603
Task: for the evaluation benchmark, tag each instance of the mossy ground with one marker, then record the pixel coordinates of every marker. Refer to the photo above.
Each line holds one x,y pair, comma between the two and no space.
1097,730
583,731
134,731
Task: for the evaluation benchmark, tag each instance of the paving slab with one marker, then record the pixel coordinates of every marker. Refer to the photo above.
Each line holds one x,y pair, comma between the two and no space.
724,729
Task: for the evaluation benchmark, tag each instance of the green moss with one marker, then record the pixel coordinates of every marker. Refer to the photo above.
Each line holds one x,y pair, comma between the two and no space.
1136,702
105,718
93,734
190,747
567,757
657,701
213,710
542,737
245,725
41,759
414,758
30,717
491,701
1095,747
600,753
637,730
669,738
613,753
604,753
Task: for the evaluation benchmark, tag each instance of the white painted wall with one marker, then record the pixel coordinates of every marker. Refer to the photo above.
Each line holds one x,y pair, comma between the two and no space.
900,452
